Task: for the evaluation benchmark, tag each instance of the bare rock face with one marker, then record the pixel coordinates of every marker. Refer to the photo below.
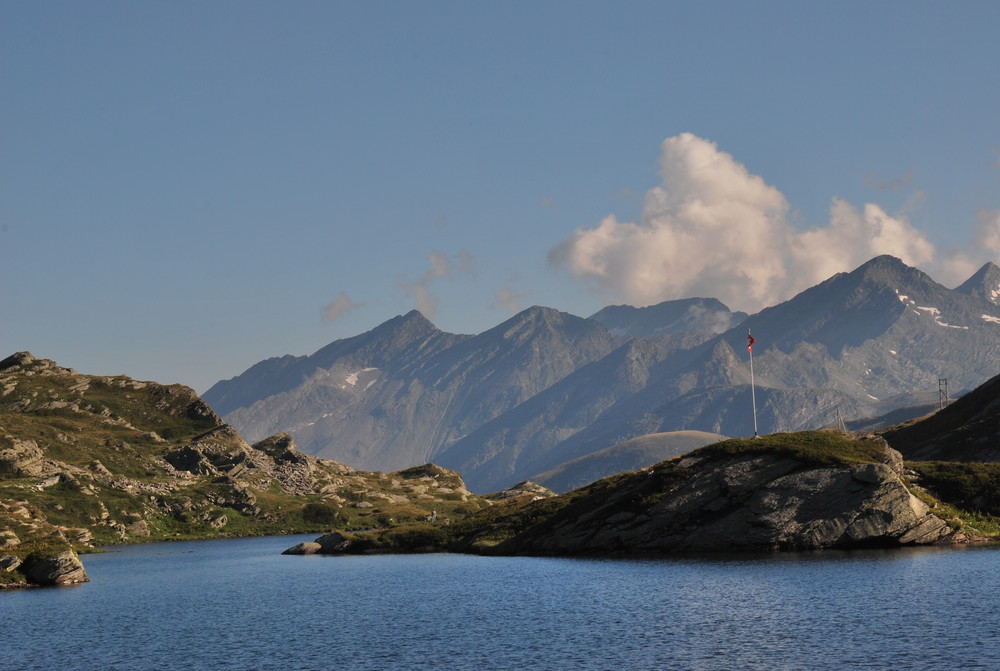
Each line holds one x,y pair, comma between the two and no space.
865,504
22,458
750,502
527,487
16,360
9,562
64,568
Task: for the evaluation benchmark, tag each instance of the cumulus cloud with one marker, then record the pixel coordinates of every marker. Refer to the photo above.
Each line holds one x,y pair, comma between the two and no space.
988,233
958,265
341,304
714,229
441,267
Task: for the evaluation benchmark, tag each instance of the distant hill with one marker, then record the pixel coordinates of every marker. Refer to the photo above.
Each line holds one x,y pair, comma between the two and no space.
968,430
545,388
628,456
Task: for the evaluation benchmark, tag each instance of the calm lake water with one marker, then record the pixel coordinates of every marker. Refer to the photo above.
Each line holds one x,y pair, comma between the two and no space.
240,604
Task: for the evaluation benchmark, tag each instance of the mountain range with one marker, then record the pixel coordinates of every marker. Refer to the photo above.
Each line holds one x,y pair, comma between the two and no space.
545,388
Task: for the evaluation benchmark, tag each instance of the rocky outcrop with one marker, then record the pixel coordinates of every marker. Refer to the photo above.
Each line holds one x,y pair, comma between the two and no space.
785,492
526,488
64,568
91,460
21,458
335,543
744,501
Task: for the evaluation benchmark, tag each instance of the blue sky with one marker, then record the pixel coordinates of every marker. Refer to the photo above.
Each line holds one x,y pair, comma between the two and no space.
187,188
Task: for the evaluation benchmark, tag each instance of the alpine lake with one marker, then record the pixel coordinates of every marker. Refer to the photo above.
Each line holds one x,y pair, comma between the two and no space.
241,604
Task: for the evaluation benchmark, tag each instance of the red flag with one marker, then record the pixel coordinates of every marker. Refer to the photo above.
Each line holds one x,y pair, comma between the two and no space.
750,342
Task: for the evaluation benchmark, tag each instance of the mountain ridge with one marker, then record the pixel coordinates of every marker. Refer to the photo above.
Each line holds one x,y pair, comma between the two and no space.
546,387
985,283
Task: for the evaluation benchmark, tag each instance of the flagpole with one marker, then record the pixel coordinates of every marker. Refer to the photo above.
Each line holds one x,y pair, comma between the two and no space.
753,393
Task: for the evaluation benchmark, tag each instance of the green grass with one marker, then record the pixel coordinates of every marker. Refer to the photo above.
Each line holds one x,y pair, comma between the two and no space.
820,448
968,492
975,486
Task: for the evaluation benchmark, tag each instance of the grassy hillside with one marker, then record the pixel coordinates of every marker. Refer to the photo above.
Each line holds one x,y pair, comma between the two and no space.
87,461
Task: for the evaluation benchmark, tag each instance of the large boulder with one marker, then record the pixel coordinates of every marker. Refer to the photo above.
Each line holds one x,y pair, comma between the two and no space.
21,458
332,543
307,548
64,568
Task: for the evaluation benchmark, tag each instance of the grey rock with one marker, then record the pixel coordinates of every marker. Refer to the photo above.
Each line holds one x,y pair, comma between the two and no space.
16,360
97,467
756,503
307,548
9,562
21,457
138,528
64,568
332,543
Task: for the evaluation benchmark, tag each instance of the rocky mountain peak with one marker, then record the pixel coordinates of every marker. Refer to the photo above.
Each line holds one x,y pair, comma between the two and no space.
413,321
889,271
538,314
402,338
985,283
847,309
538,321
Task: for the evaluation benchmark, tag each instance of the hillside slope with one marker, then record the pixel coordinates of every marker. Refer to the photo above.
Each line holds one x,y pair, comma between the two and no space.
967,430
89,460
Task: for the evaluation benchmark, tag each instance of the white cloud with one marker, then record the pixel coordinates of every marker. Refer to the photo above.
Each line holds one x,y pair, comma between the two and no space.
958,265
441,267
988,233
341,304
714,229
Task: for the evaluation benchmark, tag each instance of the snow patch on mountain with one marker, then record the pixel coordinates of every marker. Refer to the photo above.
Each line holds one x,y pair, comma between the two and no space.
352,378
934,312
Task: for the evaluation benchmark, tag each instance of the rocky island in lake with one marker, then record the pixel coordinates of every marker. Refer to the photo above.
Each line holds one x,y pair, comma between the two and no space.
800,491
